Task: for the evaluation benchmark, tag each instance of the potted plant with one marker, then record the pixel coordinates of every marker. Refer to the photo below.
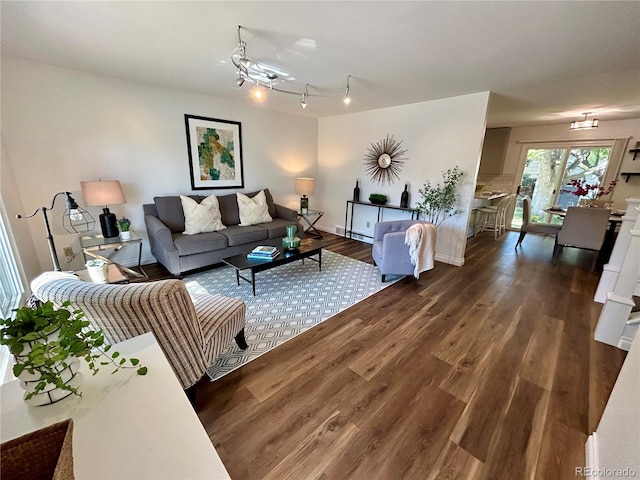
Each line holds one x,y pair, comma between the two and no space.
587,192
98,270
378,198
125,228
47,342
439,201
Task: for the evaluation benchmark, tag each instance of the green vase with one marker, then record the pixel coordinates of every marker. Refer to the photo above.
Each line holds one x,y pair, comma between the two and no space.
291,241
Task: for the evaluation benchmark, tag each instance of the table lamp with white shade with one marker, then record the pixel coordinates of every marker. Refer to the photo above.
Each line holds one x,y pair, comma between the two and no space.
102,194
305,186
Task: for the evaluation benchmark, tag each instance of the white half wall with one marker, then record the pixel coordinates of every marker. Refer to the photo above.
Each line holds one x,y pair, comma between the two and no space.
438,135
614,448
61,126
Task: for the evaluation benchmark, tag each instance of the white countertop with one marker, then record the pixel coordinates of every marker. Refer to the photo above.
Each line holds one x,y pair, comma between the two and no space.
489,196
125,425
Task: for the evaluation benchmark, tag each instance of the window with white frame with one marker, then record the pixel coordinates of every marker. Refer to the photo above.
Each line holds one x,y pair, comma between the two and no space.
11,290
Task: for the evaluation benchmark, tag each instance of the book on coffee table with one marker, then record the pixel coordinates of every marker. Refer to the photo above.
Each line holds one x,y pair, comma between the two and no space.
258,256
265,251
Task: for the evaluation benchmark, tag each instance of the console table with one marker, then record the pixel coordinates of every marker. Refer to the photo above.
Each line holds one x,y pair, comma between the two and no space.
125,425
348,214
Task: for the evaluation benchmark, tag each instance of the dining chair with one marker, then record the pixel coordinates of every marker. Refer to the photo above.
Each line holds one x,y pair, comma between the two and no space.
538,228
582,228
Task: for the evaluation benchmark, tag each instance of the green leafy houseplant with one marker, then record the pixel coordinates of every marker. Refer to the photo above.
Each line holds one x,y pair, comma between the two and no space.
378,198
37,328
124,223
439,202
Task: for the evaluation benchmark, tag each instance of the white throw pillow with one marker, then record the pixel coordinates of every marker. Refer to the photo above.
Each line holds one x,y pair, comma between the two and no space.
253,210
201,217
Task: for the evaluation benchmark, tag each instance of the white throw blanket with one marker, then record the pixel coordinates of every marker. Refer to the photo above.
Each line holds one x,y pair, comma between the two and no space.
421,238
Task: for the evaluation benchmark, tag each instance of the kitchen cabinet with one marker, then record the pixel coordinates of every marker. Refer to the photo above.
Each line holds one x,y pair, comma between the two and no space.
494,150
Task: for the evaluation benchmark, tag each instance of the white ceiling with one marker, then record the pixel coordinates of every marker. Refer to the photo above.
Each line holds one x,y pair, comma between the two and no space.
545,62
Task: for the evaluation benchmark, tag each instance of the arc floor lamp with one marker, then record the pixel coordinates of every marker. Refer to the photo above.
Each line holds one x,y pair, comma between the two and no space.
74,220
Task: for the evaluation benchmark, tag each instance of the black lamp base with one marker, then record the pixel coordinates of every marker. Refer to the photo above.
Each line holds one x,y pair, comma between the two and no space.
109,224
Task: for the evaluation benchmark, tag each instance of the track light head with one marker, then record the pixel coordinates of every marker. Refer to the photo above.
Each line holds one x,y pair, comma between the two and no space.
347,98
240,81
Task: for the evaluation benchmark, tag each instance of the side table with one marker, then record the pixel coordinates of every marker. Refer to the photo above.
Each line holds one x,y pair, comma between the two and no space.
114,275
311,218
92,244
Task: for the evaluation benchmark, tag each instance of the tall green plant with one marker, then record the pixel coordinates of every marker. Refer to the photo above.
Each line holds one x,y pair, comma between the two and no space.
439,202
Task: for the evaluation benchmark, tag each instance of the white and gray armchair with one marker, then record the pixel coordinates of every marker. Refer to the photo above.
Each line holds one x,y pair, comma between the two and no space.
192,331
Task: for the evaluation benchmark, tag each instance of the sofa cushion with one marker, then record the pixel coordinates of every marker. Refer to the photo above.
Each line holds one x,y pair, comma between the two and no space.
201,217
229,206
253,210
277,228
170,211
203,242
237,235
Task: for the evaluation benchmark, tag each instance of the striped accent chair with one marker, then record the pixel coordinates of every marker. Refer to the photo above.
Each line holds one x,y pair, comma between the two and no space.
191,330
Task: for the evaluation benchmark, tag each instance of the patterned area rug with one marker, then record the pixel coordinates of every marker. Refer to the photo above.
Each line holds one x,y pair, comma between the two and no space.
289,300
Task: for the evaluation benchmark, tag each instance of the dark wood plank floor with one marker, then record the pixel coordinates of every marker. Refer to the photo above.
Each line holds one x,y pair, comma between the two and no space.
486,371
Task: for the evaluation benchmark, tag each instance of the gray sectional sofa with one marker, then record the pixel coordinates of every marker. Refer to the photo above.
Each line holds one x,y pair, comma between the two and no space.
180,253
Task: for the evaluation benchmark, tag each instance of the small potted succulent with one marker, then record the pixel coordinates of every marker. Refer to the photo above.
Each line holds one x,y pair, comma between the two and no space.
125,228
48,344
378,198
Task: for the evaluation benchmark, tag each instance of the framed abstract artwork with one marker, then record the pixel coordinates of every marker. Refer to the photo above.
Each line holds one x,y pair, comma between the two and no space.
215,153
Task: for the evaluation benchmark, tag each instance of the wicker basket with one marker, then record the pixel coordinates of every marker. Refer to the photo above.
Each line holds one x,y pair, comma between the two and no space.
43,454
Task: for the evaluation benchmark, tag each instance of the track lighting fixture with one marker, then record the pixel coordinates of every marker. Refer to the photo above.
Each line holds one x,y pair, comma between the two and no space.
257,93
240,79
277,79
347,98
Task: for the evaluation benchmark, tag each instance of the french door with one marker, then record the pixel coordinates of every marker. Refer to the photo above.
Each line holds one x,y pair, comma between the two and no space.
548,171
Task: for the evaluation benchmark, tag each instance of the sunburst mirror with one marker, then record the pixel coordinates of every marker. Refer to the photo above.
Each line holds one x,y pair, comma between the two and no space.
383,160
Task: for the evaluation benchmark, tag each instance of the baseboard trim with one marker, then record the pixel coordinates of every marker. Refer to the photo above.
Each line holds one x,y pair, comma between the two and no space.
455,261
591,456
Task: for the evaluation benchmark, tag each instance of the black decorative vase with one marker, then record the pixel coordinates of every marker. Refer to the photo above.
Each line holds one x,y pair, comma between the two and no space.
356,193
404,198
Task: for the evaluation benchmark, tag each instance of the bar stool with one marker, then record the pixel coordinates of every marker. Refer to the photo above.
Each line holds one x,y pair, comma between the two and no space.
492,218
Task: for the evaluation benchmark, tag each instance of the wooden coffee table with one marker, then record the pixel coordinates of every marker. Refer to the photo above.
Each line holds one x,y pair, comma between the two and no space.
309,248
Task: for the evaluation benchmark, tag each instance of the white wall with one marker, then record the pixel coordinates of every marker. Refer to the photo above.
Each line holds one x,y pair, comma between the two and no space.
18,230
62,126
606,130
438,135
